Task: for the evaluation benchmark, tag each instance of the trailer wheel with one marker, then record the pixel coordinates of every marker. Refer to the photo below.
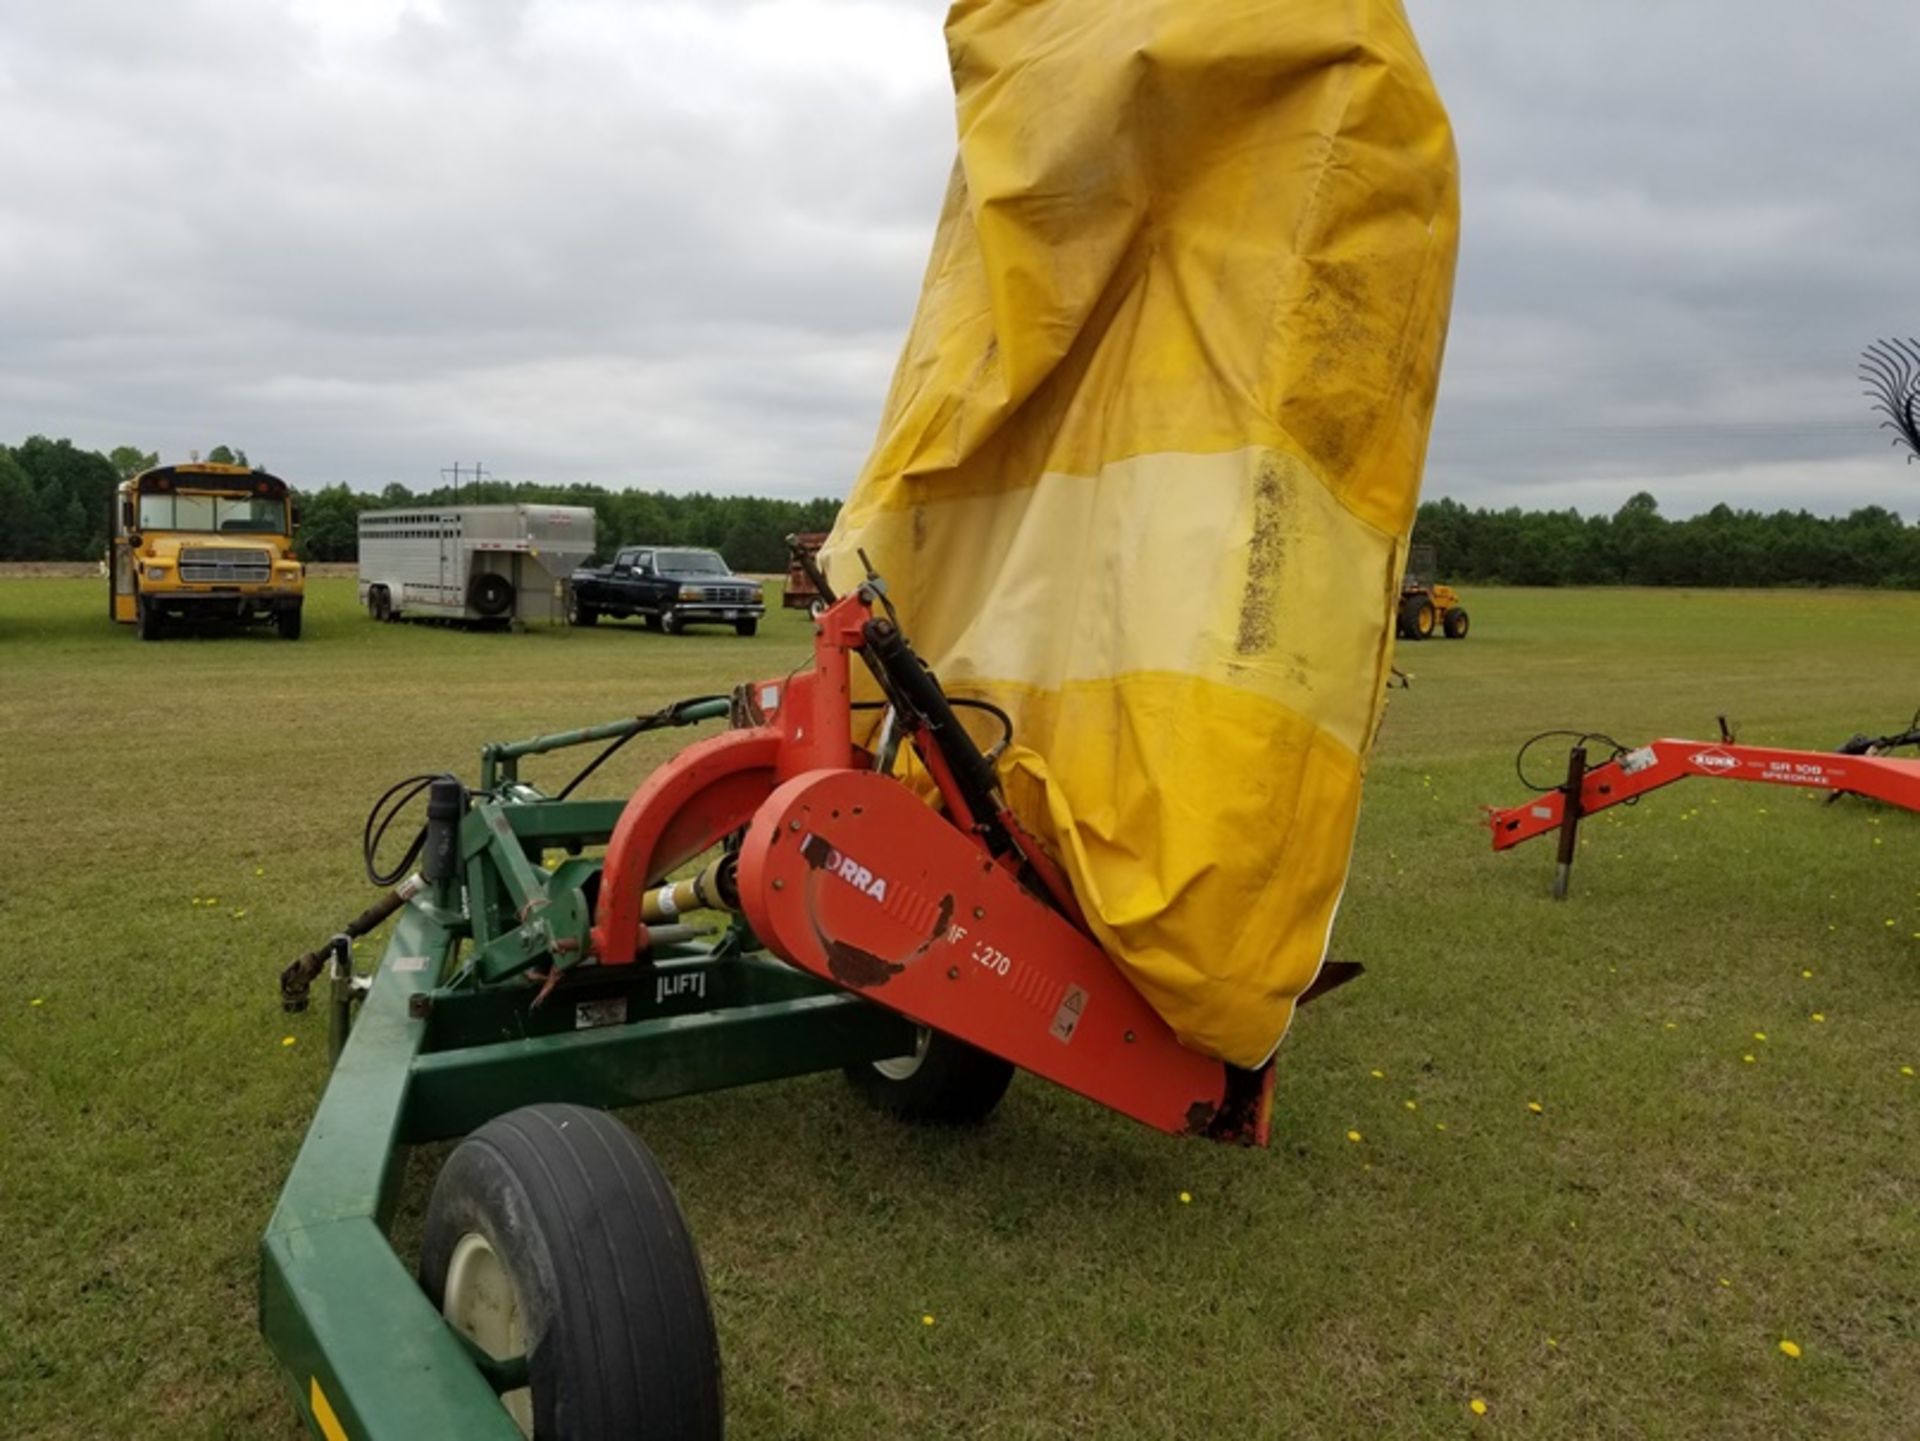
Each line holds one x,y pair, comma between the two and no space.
746,627
287,622
578,611
490,595
552,1234
379,604
941,1081
152,623
1455,625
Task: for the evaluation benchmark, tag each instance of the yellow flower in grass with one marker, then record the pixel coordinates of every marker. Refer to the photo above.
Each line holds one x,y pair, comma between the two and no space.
926,1319
1790,1348
1355,1136
1477,1406
1536,1108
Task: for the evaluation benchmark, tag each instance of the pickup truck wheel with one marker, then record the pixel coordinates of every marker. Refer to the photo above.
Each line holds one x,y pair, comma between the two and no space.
651,622
746,627
578,611
670,622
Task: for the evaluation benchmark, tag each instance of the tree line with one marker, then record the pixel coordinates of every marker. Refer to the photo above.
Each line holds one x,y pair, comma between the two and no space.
1636,545
54,500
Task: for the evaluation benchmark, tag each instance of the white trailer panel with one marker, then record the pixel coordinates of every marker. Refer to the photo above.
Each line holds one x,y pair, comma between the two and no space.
472,562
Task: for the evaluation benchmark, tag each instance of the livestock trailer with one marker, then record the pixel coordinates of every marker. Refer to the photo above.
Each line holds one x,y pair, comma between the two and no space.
472,562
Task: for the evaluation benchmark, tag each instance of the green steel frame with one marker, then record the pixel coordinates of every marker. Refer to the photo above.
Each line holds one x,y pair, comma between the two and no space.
448,1037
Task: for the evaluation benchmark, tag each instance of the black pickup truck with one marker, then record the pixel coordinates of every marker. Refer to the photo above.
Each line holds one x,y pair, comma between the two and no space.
668,588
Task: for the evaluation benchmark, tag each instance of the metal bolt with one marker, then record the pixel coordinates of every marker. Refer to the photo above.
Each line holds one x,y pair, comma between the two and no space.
1129,1038
778,884
979,913
953,973
793,825
418,1005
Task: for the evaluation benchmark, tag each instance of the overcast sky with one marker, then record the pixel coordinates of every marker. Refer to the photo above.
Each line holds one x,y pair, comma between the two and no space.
676,243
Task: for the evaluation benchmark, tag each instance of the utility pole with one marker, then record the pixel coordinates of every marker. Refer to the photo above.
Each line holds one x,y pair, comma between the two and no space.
478,473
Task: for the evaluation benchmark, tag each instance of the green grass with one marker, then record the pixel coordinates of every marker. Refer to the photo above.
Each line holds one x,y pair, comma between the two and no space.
1623,1264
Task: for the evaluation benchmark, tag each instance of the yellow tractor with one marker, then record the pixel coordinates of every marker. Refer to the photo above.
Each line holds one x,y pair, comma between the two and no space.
1425,604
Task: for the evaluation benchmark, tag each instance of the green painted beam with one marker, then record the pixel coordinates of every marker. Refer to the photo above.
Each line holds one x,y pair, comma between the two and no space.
343,1314
455,1091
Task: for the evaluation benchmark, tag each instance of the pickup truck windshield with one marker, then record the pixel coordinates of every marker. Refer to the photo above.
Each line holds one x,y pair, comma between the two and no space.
225,514
690,562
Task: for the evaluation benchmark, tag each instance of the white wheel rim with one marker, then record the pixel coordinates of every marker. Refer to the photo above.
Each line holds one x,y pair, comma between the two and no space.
902,1068
482,1305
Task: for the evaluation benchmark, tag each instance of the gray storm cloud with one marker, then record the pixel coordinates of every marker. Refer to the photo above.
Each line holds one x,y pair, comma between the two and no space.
677,244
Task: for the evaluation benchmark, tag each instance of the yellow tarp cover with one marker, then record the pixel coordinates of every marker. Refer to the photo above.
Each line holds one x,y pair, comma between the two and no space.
1148,464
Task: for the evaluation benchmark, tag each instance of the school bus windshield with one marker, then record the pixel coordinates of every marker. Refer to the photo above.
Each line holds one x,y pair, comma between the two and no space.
222,514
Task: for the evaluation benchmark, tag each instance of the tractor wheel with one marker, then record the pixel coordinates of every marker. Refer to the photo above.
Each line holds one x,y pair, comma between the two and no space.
552,1235
746,627
1455,624
671,623
578,611
152,622
1416,617
287,622
942,1081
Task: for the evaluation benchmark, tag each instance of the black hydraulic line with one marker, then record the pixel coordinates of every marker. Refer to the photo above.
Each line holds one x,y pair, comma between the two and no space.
918,692
671,716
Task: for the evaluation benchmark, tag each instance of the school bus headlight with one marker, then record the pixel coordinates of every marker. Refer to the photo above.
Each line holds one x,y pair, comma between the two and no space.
156,572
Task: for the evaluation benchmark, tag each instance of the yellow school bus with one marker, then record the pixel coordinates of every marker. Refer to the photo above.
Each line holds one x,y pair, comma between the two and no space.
204,541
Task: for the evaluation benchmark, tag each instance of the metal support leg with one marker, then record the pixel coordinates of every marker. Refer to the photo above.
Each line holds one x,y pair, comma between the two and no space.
1569,820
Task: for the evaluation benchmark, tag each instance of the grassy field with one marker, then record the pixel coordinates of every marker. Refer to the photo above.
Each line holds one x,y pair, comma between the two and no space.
1624,1262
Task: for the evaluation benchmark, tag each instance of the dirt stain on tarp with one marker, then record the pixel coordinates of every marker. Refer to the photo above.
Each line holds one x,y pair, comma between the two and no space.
1266,560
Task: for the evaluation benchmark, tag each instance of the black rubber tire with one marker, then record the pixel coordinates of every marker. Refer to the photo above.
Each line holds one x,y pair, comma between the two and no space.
287,622
578,611
671,623
1456,624
621,1343
490,596
650,621
380,604
955,1084
746,627
1413,610
151,623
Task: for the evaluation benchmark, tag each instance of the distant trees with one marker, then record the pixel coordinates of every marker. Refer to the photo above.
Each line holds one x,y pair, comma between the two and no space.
54,501
54,506
1637,545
